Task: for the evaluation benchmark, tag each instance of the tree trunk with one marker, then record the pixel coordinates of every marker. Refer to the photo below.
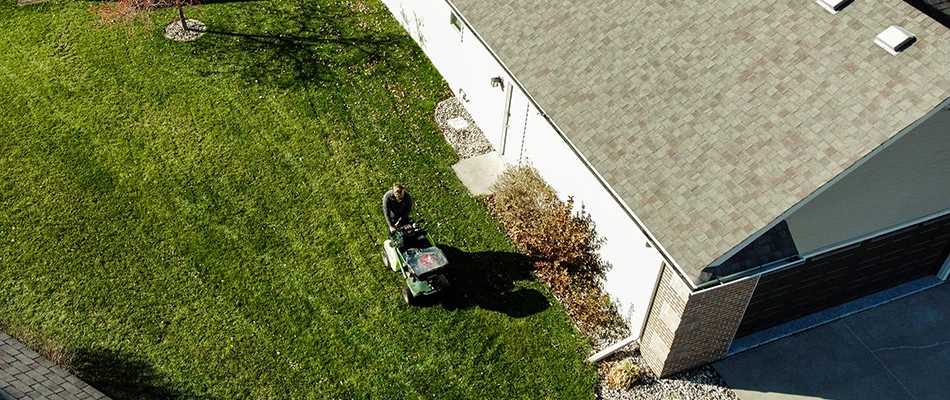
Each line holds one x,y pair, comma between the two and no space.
181,16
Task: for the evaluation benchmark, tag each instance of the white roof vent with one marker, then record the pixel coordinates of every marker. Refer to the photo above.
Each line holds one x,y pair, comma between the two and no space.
895,39
833,6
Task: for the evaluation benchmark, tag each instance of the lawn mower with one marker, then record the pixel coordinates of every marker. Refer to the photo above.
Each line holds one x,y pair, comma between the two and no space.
411,251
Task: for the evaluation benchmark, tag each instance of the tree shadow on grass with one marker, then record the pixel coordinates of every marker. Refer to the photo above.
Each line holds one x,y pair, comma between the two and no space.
310,44
487,280
121,376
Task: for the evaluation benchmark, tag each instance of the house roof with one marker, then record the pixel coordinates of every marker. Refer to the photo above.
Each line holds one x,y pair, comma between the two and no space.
711,119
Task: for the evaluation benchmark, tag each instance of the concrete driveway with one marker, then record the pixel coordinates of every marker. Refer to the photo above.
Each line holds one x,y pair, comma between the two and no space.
899,350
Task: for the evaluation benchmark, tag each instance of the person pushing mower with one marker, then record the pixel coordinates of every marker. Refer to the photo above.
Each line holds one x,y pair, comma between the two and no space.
396,207
410,250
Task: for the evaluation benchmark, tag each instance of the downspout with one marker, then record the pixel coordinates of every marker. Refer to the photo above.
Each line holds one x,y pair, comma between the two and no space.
945,270
600,355
504,122
612,349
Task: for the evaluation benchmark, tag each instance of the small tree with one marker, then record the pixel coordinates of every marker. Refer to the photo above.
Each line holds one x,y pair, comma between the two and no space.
180,5
563,242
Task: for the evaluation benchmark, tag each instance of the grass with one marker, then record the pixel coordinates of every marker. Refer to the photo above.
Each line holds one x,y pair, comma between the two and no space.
202,219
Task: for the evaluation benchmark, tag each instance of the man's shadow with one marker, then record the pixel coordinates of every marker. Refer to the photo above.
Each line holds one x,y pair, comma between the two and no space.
487,280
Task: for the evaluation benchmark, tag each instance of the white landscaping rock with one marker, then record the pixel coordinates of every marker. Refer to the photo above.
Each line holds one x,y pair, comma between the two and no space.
459,129
174,30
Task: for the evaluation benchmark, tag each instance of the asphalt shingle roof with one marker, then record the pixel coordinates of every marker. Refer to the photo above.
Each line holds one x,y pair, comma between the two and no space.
710,119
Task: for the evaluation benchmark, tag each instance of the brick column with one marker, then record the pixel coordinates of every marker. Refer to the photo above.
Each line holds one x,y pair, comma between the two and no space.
687,329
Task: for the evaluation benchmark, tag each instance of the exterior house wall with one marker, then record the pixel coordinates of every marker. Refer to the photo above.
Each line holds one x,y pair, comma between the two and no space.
687,329
635,264
680,328
468,66
460,57
853,270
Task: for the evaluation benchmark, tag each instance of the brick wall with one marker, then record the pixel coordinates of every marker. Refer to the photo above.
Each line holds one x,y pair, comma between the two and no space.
687,329
665,315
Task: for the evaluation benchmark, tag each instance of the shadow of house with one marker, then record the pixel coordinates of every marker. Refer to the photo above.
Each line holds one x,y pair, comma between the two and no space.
122,376
487,280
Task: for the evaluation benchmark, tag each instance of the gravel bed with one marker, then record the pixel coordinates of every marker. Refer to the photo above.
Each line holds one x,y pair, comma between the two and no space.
467,141
701,383
174,30
698,383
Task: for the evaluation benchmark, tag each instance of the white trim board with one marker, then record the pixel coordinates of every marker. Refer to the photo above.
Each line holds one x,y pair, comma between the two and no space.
945,270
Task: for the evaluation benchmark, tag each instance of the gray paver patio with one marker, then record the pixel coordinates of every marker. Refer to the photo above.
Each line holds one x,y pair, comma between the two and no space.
24,374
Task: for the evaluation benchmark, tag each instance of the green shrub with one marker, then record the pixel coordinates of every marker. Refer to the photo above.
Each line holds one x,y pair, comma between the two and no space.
563,244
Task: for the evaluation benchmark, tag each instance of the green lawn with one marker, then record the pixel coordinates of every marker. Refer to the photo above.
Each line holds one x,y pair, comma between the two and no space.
202,219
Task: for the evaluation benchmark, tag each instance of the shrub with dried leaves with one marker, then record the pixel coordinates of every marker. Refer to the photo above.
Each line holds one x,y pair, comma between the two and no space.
563,244
128,10
622,374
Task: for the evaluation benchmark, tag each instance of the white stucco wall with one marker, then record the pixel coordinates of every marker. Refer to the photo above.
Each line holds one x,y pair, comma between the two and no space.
468,66
636,266
460,57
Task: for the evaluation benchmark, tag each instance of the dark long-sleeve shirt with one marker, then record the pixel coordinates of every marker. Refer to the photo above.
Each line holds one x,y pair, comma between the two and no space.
396,211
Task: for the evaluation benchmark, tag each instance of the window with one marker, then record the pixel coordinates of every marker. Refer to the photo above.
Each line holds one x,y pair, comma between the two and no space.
456,21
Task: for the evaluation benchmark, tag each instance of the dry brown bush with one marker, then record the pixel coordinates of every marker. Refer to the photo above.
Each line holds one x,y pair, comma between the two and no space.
128,10
563,244
621,374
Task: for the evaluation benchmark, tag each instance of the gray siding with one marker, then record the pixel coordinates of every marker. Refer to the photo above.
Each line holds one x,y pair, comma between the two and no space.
908,179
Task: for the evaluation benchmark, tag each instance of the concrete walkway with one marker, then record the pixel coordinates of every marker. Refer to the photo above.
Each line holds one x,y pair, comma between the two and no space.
24,374
479,173
898,350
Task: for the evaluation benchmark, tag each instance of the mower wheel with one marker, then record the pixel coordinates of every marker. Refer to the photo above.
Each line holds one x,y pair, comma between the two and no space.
408,297
382,250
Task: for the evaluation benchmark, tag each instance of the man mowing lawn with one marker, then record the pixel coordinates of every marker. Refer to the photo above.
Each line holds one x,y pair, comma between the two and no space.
396,207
